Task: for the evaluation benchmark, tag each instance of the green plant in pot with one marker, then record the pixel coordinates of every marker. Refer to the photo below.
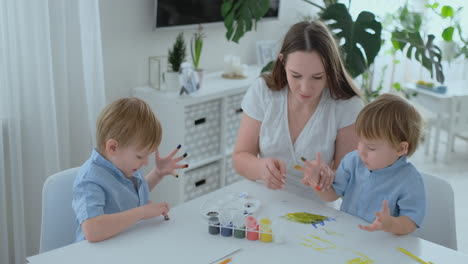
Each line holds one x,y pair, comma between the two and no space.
176,56
196,46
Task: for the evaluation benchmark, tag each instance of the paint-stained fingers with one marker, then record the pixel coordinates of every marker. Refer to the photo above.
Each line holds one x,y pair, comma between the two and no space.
172,154
181,157
182,166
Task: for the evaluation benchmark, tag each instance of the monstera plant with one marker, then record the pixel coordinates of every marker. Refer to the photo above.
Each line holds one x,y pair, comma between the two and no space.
361,39
240,15
407,36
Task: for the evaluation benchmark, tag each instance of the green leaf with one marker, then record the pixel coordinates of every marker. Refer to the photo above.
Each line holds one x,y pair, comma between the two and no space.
362,38
447,34
397,86
241,15
411,21
226,7
268,67
428,54
447,11
433,6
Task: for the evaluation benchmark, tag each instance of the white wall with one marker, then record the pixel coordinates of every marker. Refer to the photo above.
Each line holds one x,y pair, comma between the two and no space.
128,40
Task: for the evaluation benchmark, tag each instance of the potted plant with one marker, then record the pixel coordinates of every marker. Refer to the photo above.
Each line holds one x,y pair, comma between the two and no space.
196,45
176,56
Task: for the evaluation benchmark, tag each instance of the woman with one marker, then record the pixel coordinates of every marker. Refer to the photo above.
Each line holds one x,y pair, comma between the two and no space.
307,104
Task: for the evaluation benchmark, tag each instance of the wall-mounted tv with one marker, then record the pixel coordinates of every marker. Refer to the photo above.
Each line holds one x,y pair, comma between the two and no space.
171,13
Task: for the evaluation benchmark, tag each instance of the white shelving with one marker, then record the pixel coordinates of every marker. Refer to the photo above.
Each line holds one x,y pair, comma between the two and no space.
205,124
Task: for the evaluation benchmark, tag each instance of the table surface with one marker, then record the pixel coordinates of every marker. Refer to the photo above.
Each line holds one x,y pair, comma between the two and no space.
185,238
454,88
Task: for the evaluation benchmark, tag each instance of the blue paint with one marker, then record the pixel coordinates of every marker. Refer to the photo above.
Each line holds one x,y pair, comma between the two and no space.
226,229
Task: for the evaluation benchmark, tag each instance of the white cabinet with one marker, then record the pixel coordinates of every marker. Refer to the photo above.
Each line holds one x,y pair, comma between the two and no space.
205,124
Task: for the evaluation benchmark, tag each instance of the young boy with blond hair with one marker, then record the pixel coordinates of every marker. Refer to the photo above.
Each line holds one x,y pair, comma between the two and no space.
110,193
376,181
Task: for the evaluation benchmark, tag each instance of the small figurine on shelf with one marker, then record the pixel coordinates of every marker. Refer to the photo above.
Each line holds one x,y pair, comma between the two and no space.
233,69
188,78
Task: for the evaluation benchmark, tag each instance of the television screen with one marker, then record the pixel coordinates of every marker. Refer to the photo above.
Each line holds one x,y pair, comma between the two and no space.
188,12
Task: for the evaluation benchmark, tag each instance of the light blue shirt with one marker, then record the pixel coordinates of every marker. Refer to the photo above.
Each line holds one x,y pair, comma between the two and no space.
101,188
363,190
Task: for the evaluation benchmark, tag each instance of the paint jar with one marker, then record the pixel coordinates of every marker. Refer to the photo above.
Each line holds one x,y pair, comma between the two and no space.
265,230
225,217
213,227
239,225
252,228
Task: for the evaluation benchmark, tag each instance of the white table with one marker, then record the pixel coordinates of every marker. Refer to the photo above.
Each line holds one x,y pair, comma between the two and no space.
185,238
443,105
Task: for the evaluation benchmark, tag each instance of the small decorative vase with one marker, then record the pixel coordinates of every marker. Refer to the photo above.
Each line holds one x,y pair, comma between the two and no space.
172,83
200,72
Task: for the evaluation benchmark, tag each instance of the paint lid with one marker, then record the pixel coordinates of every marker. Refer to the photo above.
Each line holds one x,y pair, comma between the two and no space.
251,222
265,224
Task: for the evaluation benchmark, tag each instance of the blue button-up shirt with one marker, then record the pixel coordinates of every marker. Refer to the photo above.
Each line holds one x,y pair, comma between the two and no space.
101,188
363,190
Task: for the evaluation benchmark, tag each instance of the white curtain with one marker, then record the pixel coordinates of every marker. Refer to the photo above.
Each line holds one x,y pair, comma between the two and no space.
51,91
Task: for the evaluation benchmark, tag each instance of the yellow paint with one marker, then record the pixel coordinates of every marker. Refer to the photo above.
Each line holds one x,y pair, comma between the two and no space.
297,167
318,241
412,256
329,232
265,230
364,260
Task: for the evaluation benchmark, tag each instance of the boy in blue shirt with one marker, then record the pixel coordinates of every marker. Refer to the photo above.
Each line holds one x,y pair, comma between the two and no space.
110,193
377,178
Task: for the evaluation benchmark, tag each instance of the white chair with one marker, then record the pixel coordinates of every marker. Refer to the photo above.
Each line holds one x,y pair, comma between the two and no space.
430,121
439,223
459,126
58,218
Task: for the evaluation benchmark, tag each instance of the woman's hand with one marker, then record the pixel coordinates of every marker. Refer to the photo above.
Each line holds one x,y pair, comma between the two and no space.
273,173
318,174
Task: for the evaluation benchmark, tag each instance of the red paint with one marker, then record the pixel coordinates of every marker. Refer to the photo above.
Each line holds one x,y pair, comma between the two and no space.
252,228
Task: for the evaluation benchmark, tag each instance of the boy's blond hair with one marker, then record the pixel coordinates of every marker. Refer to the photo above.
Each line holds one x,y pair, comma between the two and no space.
393,119
129,121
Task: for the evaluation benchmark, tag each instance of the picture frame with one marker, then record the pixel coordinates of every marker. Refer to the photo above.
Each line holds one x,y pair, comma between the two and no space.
267,50
157,65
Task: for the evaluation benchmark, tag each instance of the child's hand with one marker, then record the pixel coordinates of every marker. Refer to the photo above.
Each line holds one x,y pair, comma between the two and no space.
383,220
318,174
273,173
168,165
151,209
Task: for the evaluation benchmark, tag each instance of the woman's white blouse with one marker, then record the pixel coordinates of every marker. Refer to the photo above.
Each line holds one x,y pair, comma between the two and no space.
318,135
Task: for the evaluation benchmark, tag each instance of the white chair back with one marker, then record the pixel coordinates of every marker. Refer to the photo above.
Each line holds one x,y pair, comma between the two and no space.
58,218
439,224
